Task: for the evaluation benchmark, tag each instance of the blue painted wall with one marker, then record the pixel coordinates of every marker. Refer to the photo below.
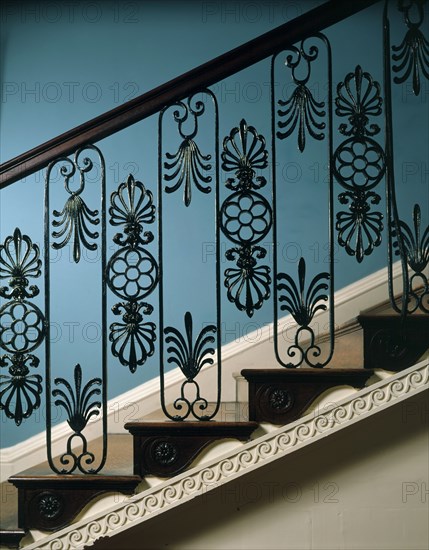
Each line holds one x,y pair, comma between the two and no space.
64,63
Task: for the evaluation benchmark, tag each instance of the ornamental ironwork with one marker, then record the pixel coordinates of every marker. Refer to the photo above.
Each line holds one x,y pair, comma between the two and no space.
303,302
190,355
22,327
301,111
80,405
415,242
86,168
188,167
132,274
76,217
359,164
412,54
310,119
246,218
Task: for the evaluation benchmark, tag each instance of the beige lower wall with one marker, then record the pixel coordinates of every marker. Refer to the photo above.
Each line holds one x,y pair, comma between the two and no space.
364,488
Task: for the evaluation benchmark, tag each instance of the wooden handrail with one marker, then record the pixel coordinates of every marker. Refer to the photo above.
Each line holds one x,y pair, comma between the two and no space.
203,76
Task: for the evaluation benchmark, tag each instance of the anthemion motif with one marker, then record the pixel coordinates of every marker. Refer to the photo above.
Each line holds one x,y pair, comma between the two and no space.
302,299
190,169
22,327
303,304
132,274
76,217
79,406
359,164
416,247
188,166
246,218
412,55
190,356
301,110
408,241
83,173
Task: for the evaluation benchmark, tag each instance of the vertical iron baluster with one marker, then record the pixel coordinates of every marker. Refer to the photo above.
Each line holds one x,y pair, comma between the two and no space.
20,336
79,402
188,351
248,284
412,55
133,340
415,256
304,115
359,164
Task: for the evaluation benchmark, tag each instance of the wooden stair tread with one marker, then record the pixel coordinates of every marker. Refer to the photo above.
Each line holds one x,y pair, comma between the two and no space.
189,428
388,317
307,373
70,481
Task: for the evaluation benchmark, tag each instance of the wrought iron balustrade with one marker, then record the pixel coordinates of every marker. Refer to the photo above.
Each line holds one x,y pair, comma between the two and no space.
348,126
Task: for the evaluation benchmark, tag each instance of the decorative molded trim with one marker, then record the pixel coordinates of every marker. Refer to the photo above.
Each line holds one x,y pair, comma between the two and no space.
144,399
255,454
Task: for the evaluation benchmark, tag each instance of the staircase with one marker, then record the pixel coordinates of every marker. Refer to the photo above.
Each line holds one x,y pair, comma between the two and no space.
220,414
133,466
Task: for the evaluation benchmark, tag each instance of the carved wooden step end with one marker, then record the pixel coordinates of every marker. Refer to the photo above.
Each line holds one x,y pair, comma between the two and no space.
280,396
393,344
50,502
165,449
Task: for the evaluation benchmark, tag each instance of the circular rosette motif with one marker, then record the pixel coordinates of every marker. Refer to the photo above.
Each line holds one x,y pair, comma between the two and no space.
50,505
164,452
246,217
22,327
359,162
280,399
132,273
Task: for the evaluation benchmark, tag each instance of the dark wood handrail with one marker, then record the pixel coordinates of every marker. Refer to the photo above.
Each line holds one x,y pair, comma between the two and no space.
203,76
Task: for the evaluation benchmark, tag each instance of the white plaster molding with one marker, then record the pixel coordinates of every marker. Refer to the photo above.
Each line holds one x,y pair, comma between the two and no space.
238,462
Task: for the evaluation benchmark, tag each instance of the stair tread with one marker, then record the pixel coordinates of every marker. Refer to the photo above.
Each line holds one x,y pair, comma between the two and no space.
50,477
184,429
328,373
416,317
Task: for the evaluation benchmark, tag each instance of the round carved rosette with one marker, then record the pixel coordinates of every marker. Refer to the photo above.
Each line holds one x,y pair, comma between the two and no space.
50,505
280,399
164,453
